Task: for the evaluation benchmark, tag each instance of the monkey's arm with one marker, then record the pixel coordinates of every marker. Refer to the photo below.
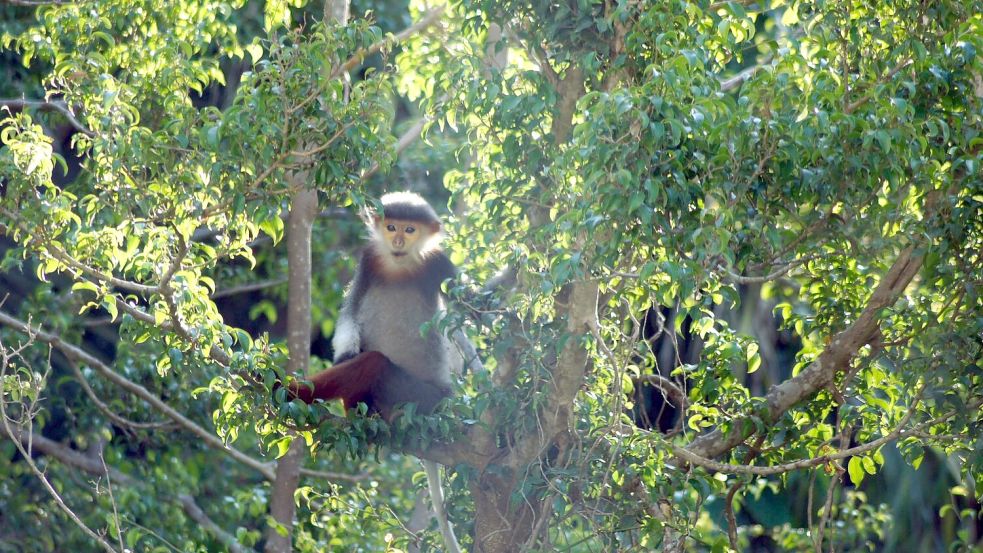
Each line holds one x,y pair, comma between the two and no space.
347,340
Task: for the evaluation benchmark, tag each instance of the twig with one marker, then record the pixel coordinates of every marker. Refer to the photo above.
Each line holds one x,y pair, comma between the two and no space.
246,288
44,105
115,418
76,353
26,454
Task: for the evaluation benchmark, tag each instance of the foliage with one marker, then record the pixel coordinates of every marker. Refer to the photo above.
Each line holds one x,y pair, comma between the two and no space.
815,161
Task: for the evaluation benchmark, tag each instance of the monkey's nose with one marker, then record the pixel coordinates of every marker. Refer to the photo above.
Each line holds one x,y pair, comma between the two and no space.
398,242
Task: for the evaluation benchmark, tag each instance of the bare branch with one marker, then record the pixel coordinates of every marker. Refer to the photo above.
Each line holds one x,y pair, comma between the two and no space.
246,288
44,105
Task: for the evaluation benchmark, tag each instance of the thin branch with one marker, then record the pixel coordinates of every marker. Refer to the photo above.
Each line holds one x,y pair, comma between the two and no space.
898,432
321,147
777,273
871,93
717,5
44,105
63,256
404,142
51,490
25,451
668,387
739,79
198,515
246,288
429,19
112,501
101,406
73,458
76,353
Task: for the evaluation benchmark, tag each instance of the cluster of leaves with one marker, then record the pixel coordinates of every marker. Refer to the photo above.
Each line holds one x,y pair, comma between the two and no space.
855,136
612,147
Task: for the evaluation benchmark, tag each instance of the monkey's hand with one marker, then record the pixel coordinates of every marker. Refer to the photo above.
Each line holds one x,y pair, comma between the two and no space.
344,356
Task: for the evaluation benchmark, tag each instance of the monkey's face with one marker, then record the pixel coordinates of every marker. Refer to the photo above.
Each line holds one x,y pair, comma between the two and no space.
404,240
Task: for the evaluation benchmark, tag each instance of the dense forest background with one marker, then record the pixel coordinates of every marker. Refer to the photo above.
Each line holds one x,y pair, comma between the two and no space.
743,238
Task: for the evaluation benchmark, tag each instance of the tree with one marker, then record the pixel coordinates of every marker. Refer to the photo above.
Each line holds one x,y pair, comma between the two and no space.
655,175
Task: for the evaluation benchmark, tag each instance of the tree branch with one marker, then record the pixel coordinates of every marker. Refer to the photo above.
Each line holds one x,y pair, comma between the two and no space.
44,105
102,407
710,464
75,459
818,374
428,19
75,353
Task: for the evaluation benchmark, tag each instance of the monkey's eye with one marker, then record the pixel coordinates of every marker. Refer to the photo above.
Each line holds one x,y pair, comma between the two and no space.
391,228
410,230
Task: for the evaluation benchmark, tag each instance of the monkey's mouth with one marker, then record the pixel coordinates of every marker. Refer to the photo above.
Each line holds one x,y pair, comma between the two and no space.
399,254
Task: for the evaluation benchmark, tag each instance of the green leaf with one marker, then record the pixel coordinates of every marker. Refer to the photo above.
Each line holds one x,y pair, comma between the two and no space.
255,51
85,285
856,470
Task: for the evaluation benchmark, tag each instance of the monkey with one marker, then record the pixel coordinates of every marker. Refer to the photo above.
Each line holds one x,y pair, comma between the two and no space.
381,357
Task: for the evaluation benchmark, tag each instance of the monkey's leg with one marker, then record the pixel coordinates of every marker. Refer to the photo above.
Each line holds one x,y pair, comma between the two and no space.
397,386
351,381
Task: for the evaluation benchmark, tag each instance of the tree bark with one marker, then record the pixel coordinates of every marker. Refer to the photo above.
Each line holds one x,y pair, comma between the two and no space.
503,525
303,210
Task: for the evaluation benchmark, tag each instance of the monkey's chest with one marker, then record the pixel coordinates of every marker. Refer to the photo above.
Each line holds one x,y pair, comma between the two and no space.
390,320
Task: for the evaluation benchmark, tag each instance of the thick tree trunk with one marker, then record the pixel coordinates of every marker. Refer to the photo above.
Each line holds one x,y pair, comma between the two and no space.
499,526
303,209
503,525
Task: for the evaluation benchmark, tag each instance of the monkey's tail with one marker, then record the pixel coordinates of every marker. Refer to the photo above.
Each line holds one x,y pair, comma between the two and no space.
437,498
351,381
